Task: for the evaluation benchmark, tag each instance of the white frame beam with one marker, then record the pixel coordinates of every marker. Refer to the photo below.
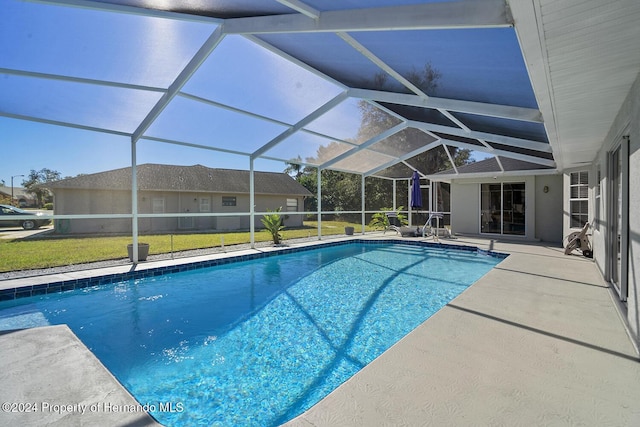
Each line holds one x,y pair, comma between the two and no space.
450,15
203,53
301,7
427,147
389,132
81,80
131,10
301,124
470,107
497,152
491,137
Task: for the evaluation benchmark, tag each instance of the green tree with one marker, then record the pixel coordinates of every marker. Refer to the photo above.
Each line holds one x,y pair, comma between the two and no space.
342,191
375,121
36,184
381,220
294,168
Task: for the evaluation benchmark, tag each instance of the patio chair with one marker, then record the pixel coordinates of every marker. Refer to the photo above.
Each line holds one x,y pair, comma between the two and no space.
394,222
396,225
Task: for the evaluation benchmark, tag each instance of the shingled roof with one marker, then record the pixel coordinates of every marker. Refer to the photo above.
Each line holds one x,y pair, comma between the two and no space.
491,166
156,177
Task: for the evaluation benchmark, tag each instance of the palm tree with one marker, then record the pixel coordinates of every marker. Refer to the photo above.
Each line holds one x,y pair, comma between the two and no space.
273,224
294,167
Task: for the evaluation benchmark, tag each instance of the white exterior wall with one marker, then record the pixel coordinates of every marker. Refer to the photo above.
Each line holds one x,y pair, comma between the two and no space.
548,209
465,207
543,211
627,123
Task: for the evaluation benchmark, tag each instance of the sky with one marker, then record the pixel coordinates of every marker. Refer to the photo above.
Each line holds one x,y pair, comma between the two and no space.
150,52
80,49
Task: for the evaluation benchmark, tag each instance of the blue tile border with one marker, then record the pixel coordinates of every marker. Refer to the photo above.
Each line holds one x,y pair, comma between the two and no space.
67,285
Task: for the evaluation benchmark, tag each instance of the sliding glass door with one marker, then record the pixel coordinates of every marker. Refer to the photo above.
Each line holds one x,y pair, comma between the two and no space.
491,208
502,208
618,225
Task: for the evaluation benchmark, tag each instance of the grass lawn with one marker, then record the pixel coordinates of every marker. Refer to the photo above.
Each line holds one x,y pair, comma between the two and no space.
53,251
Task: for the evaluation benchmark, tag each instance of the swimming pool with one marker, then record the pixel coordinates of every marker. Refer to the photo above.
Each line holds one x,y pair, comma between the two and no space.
256,342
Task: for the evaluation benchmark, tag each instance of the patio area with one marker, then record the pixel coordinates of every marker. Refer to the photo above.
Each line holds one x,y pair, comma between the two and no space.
537,341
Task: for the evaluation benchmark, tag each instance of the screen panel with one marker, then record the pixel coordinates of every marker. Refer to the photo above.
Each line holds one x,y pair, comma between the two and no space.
94,44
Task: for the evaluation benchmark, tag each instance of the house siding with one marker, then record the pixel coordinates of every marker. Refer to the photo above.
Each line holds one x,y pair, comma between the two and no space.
548,208
627,123
166,190
81,202
542,210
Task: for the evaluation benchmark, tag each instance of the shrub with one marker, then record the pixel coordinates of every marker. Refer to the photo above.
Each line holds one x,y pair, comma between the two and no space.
273,223
381,220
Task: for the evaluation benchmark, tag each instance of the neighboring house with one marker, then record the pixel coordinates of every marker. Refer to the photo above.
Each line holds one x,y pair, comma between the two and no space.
504,197
20,196
167,189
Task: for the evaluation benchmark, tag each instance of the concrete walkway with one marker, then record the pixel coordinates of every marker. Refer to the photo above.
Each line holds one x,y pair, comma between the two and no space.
537,341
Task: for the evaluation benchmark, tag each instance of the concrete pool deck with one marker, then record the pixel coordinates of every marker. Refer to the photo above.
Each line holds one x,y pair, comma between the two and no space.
537,341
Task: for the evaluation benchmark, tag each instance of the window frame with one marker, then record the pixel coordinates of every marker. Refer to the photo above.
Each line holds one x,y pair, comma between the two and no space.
155,205
292,205
205,207
229,201
501,210
581,199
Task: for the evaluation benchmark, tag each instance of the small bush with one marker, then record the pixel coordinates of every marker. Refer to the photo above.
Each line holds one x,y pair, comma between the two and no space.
48,206
273,223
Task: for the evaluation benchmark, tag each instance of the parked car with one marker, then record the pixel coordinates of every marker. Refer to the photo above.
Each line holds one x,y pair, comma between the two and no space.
16,220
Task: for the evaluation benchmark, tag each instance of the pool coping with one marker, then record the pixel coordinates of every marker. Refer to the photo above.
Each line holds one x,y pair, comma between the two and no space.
50,377
12,289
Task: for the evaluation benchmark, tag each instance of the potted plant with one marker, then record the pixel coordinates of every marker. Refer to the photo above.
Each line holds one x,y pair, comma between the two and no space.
273,224
143,251
381,219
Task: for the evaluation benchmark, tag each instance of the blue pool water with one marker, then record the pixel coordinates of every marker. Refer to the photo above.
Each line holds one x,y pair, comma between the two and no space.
256,342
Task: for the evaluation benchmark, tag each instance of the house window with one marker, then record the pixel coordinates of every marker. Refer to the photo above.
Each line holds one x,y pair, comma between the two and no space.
158,205
292,205
228,200
205,204
579,199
